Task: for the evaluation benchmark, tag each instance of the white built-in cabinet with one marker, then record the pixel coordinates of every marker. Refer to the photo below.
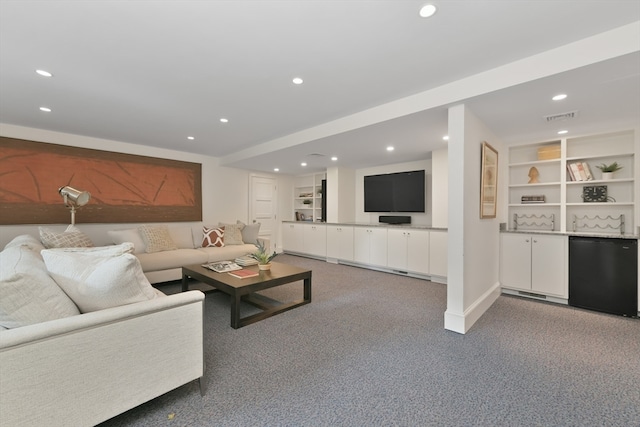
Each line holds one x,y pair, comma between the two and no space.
314,241
532,173
408,250
438,256
535,263
340,242
370,245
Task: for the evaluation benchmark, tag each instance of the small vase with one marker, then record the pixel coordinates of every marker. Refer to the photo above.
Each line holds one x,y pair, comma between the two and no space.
606,176
264,266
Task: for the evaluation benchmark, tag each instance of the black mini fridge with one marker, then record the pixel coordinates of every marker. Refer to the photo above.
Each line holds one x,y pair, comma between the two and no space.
603,274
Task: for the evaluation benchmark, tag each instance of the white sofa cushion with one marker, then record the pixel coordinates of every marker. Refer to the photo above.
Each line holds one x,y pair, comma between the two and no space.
72,237
26,240
130,235
99,278
28,295
182,237
171,259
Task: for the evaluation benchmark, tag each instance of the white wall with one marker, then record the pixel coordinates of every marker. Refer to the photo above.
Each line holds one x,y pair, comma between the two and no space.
474,243
341,188
416,218
440,188
224,190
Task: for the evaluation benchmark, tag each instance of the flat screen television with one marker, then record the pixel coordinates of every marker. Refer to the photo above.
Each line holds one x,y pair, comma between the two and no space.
395,192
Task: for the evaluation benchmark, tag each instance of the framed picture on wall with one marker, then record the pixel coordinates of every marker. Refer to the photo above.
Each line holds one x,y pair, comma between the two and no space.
488,182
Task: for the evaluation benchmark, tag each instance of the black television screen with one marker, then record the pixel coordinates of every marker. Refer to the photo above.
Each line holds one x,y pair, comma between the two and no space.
395,192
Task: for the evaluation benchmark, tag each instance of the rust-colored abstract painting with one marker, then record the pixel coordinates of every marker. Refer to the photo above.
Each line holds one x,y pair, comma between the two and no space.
124,187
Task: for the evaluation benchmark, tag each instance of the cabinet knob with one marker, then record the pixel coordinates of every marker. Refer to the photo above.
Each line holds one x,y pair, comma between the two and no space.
535,241
527,240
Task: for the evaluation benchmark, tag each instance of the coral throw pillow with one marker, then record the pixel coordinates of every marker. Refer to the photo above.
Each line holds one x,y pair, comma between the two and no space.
212,237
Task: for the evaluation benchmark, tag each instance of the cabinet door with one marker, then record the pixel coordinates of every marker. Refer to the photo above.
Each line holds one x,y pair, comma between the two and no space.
333,241
361,245
515,261
438,256
378,246
548,265
346,243
397,248
315,240
292,237
417,251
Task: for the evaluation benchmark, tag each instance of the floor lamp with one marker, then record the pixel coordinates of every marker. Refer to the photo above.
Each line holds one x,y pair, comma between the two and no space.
73,199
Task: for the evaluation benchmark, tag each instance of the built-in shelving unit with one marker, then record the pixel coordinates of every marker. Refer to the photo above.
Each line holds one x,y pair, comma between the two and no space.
563,197
307,197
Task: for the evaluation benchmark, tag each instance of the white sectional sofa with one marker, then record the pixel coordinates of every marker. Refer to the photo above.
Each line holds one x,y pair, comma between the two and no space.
166,265
78,362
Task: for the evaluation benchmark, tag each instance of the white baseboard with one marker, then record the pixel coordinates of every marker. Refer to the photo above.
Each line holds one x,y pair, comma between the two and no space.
462,322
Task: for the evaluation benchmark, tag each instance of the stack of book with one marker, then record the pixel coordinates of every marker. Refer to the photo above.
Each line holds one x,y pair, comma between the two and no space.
533,199
579,171
245,261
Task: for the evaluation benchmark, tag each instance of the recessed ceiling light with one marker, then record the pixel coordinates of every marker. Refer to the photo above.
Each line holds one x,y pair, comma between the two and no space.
48,110
562,132
446,137
276,169
427,10
44,73
334,159
303,164
390,148
191,138
297,81
223,120
559,97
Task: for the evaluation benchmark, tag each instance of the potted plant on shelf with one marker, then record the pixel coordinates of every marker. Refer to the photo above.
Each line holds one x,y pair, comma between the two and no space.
262,256
608,170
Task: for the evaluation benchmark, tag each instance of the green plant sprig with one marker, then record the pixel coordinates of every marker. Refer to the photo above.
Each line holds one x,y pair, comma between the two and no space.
609,168
261,255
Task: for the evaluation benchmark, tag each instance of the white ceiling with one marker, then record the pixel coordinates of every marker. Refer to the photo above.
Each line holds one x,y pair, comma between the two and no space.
155,72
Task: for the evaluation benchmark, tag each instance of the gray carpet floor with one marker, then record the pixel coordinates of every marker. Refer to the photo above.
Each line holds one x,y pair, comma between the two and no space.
371,350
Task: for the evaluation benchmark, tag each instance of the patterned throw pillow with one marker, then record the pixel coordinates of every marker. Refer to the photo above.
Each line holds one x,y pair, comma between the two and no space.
212,237
72,237
157,238
232,233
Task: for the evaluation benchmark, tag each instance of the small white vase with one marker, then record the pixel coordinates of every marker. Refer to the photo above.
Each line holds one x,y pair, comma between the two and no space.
606,176
264,266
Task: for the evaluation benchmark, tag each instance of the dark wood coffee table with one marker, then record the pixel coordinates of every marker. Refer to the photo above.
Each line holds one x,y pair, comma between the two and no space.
244,289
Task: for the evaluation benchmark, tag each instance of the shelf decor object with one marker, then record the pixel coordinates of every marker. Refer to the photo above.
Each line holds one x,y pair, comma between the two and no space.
547,222
594,193
489,182
598,222
608,170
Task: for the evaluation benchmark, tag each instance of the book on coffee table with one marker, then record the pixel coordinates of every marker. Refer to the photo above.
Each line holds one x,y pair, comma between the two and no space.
222,266
243,274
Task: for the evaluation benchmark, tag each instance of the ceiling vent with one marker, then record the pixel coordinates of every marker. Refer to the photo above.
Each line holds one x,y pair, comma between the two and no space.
561,116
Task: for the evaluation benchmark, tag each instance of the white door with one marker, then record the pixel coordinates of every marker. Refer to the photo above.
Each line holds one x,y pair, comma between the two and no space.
263,198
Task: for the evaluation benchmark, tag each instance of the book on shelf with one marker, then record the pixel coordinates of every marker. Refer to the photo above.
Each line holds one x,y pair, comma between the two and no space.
579,171
533,199
222,266
245,261
243,274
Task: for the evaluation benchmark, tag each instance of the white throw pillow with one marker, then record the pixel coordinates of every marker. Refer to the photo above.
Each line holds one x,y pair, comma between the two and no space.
232,233
130,235
99,278
72,237
250,232
28,295
157,238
